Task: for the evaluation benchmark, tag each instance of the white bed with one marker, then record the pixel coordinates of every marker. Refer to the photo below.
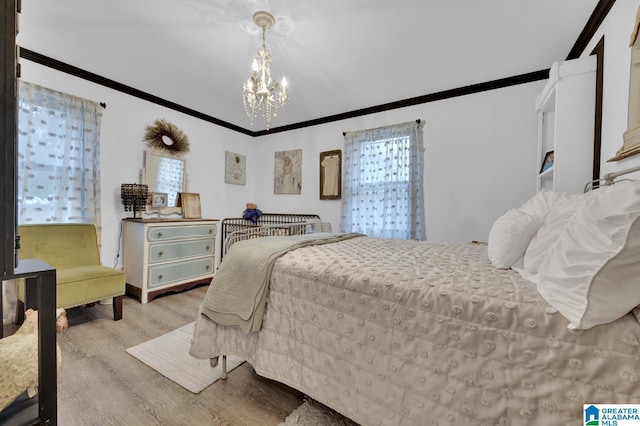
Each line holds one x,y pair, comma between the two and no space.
395,332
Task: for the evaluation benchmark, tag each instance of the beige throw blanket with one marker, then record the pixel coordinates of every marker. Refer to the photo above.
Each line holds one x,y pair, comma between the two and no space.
238,292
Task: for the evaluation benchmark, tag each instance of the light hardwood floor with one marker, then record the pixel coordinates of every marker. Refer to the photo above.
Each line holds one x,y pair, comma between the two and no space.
101,384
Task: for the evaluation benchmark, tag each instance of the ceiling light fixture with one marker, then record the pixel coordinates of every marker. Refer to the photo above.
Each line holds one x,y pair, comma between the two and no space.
260,94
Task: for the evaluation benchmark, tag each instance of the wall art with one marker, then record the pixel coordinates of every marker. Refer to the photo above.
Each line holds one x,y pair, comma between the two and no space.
235,168
287,175
330,175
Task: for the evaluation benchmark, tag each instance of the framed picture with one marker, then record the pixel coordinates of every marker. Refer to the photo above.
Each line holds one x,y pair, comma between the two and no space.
287,173
235,168
159,200
547,162
190,203
331,175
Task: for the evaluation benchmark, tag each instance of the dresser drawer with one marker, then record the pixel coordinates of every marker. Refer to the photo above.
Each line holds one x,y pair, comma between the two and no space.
180,250
167,233
179,271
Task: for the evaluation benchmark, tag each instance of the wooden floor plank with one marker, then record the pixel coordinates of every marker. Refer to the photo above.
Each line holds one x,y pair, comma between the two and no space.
99,383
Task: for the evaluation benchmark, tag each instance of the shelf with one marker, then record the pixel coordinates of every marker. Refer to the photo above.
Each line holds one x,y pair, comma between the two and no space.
566,109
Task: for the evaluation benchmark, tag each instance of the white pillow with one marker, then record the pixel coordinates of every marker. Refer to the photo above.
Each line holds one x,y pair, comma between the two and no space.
509,237
540,203
592,272
555,221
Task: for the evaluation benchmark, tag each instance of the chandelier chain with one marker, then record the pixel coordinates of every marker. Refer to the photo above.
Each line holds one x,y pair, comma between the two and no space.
260,94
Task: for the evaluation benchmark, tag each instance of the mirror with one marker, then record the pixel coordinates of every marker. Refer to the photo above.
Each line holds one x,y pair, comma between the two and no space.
165,175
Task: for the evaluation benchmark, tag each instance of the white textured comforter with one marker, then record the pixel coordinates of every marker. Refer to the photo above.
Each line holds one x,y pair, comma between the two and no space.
403,332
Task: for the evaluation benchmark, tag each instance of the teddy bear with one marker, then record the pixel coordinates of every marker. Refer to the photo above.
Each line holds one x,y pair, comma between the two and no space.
252,213
19,358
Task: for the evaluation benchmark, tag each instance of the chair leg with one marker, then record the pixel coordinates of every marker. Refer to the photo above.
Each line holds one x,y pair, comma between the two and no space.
19,312
117,308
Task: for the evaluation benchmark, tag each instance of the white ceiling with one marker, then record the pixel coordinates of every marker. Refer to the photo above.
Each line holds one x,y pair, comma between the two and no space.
338,55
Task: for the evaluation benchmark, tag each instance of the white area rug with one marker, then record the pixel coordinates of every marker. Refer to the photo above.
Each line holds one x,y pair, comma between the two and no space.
169,356
312,413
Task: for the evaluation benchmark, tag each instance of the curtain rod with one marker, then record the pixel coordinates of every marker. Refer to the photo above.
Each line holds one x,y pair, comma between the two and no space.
345,133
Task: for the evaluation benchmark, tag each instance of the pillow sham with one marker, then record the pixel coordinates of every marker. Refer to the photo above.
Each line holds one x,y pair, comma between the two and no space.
555,221
509,237
540,203
591,272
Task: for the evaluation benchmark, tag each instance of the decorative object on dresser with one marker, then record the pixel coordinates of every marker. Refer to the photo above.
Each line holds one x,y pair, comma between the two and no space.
134,197
158,199
165,169
165,174
190,204
566,116
166,255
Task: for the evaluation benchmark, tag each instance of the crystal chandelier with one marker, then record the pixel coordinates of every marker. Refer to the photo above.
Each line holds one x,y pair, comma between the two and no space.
260,94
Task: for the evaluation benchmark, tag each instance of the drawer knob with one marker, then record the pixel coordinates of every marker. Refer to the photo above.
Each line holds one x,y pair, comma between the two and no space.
160,276
159,234
210,231
206,267
160,253
208,247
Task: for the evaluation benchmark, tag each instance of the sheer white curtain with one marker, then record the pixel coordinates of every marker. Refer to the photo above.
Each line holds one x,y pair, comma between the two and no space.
382,186
58,157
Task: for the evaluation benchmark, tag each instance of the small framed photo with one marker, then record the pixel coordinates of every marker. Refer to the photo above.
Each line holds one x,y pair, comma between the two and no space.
547,162
159,200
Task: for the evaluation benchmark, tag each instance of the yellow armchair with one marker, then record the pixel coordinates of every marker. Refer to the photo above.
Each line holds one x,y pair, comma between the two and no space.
80,278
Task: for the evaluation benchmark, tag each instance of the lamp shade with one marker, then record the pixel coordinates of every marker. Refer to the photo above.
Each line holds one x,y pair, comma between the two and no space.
134,197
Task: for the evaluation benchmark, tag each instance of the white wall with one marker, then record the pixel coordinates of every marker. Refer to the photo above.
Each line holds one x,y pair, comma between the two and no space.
480,157
122,152
480,160
617,29
480,149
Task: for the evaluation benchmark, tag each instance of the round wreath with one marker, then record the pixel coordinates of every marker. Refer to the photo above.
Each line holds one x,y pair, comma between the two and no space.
166,137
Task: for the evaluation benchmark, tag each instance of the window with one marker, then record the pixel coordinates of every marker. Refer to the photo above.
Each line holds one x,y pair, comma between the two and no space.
383,173
58,157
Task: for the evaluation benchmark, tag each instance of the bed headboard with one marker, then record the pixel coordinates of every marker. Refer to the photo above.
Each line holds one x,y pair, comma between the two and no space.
610,178
234,224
